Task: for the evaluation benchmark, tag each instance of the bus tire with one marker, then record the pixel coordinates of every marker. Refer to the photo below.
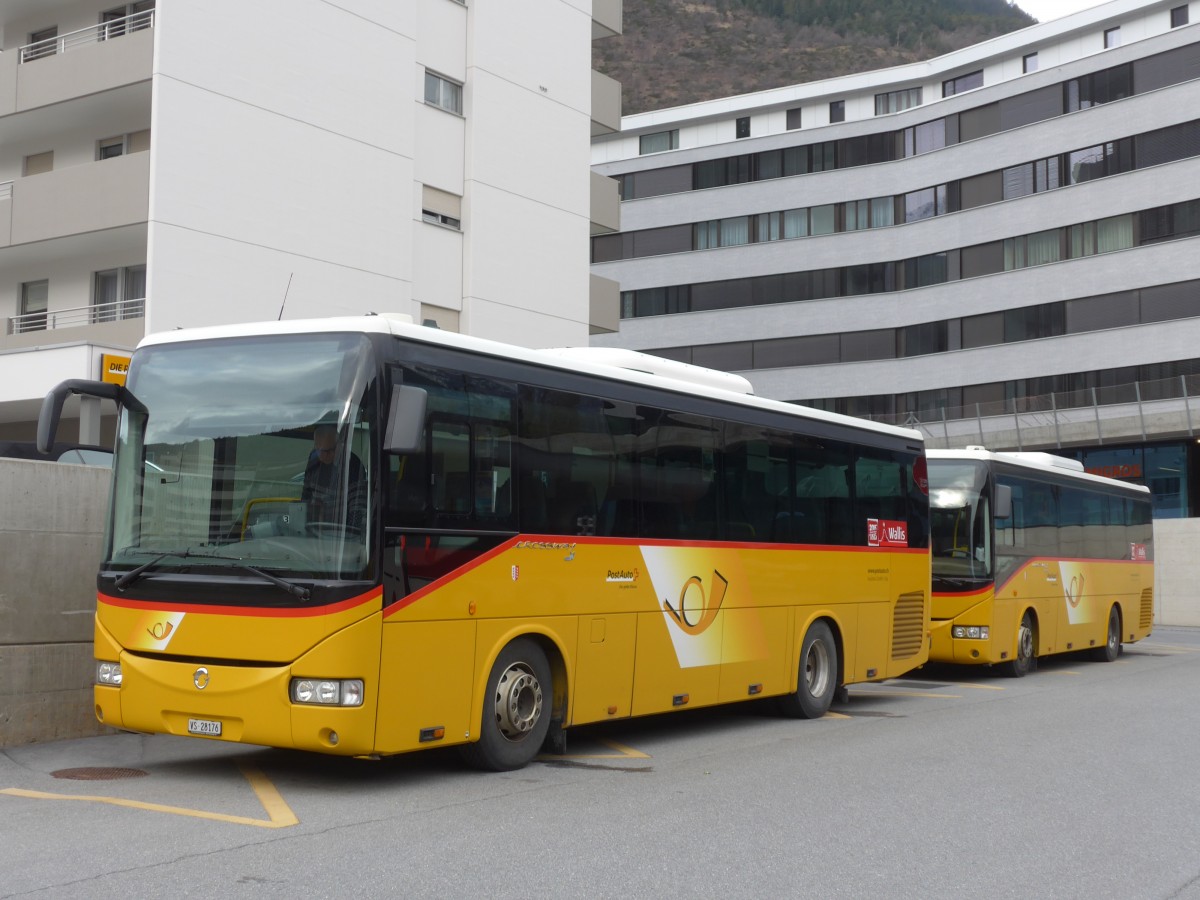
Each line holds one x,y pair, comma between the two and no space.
1026,657
1111,648
817,681
516,709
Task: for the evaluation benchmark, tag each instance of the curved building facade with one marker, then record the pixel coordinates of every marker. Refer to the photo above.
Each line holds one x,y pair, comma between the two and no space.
998,246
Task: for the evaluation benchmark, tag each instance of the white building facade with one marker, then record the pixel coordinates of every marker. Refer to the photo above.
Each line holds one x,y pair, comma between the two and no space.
999,246
186,163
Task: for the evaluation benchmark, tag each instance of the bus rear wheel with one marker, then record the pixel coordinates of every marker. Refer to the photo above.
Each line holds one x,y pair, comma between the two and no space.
1025,660
516,709
817,681
1111,648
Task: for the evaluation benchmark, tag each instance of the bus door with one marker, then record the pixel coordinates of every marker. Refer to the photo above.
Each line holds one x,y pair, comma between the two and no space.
1028,577
447,504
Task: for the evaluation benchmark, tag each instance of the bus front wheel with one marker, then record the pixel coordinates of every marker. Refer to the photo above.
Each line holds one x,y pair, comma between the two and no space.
817,677
516,709
1025,659
1111,648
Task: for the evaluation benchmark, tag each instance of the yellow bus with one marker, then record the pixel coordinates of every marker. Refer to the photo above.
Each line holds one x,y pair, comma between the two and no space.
1032,556
364,537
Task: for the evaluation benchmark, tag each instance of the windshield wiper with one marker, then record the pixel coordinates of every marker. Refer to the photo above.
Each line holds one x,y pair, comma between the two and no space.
134,574
296,590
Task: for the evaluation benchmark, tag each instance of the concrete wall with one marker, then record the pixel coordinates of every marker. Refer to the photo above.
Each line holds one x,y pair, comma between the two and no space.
51,537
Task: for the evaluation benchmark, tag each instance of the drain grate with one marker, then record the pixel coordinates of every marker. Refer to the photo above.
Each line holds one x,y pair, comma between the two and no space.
96,773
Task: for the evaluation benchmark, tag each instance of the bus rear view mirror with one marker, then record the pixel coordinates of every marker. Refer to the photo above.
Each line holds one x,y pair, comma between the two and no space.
1003,501
406,419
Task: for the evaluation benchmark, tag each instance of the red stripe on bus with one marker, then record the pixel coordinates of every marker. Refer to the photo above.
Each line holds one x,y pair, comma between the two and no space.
566,542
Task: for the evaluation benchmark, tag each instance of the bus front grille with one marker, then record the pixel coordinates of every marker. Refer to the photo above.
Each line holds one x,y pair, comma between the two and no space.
1147,611
908,625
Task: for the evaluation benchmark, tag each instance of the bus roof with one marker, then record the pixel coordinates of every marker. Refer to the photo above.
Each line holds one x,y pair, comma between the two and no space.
1043,462
628,366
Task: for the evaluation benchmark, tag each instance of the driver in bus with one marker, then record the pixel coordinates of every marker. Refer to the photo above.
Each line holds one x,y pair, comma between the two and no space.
322,482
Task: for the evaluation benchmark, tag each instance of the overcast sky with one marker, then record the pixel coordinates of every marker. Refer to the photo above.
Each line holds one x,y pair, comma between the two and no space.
1045,10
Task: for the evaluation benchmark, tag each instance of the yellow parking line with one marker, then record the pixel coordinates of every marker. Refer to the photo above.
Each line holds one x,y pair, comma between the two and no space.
979,687
836,715
280,814
886,693
622,752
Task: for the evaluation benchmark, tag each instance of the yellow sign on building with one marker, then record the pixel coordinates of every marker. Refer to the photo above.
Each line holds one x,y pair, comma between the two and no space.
113,368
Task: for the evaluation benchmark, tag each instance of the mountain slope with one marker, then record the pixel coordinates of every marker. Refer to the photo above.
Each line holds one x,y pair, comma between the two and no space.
674,52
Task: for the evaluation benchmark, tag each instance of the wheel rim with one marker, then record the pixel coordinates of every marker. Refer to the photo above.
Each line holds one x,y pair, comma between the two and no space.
816,668
1114,637
1025,641
518,701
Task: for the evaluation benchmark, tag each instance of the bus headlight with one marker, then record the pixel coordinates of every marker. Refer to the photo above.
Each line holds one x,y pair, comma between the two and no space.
327,691
108,673
971,632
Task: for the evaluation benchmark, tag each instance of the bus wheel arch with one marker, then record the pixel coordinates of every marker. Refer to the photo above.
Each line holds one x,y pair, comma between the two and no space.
819,672
1024,658
518,706
1111,648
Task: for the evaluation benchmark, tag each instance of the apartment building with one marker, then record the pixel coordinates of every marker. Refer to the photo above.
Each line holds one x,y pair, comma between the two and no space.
185,163
999,246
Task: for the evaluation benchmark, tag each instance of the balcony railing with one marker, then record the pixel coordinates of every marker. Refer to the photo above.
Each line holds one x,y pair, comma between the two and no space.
1098,415
80,315
93,35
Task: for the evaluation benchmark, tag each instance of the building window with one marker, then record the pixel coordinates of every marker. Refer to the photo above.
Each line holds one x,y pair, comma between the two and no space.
118,294
443,93
1179,16
126,18
895,101
967,82
122,144
659,142
1112,37
1029,63
37,163
743,127
43,42
837,111
793,119
437,218
34,297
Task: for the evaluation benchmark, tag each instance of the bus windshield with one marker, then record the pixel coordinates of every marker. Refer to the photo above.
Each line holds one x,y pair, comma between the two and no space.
252,453
961,534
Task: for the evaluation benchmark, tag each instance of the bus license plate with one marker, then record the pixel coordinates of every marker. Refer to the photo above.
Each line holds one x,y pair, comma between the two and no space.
204,726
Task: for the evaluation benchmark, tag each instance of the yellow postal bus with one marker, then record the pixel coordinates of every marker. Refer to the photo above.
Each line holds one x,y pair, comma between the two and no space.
1033,556
363,537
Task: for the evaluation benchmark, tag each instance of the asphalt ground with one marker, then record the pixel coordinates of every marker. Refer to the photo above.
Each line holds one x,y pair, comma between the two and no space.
1080,780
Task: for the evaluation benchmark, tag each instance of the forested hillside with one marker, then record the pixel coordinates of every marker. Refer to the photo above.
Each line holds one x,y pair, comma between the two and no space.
674,52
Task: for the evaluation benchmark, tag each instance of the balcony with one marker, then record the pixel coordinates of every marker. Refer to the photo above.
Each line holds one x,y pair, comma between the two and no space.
84,62
606,104
121,323
96,196
606,205
606,18
105,31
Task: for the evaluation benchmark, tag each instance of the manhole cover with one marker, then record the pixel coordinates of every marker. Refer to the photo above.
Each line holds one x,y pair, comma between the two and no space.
95,773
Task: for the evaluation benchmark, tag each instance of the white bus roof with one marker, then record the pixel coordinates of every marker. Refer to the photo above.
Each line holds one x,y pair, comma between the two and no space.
1044,462
627,366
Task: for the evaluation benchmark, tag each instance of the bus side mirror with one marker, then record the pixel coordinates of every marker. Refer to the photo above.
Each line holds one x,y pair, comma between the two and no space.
53,403
1003,501
406,419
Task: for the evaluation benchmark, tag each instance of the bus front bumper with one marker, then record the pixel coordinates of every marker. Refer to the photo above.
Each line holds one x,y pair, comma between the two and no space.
946,648
245,704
